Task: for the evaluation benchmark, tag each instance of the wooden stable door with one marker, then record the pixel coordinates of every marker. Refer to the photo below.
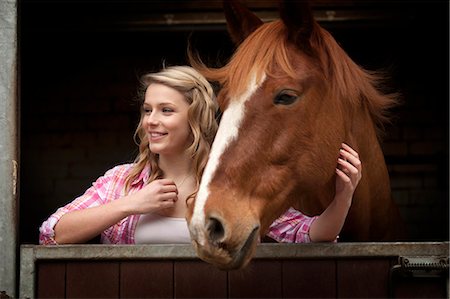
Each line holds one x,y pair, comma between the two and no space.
325,278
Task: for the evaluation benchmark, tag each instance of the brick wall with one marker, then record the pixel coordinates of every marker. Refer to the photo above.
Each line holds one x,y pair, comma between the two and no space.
78,112
416,151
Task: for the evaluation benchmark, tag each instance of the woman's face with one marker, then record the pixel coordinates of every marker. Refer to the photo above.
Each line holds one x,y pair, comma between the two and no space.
166,120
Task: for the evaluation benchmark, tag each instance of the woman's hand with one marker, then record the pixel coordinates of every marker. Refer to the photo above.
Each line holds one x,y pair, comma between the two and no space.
158,195
349,172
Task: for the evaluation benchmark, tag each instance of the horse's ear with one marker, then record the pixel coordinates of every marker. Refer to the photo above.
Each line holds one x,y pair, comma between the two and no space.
241,22
299,20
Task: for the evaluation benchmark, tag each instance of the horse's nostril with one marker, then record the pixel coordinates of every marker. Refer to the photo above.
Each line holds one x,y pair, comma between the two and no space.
215,229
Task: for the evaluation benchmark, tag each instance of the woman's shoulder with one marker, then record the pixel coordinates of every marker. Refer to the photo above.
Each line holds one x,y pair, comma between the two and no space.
112,179
120,173
116,173
120,170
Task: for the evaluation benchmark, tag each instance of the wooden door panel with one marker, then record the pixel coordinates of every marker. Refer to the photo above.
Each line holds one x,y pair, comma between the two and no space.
261,279
146,279
87,279
309,279
197,279
363,278
51,280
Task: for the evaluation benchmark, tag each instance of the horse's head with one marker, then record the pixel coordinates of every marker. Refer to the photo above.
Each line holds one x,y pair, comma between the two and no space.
283,122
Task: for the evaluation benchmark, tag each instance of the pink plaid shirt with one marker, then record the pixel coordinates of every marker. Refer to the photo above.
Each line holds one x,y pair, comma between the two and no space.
292,226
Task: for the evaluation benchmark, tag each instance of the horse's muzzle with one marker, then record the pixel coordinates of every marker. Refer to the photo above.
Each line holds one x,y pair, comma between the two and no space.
225,246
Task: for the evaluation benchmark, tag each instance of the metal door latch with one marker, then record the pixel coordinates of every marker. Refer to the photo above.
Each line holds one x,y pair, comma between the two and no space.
422,266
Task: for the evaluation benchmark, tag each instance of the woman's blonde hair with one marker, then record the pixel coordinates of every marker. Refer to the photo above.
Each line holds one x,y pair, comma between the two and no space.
201,117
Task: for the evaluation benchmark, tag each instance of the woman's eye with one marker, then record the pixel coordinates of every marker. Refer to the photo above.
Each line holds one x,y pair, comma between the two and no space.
147,111
167,110
285,98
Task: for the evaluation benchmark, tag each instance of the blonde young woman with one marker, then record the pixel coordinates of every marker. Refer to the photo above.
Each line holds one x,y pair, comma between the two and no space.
145,201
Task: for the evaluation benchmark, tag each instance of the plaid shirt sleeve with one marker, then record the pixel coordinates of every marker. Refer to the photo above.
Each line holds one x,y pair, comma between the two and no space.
291,227
97,194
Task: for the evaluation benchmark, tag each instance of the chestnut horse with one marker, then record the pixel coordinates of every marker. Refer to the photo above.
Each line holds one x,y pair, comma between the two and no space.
290,96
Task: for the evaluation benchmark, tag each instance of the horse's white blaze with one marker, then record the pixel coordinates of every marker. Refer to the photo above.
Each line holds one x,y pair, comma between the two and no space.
227,132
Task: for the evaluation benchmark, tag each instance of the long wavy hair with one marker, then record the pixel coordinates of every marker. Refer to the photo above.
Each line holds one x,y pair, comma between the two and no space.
201,117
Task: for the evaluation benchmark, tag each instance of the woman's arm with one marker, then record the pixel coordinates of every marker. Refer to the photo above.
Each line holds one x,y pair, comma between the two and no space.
328,225
82,225
291,227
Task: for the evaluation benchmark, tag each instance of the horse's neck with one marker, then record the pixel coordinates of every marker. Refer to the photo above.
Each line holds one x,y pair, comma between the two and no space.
314,202
372,213
372,202
362,136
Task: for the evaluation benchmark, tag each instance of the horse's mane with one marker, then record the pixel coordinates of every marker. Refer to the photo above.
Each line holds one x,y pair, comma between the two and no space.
249,61
351,82
268,47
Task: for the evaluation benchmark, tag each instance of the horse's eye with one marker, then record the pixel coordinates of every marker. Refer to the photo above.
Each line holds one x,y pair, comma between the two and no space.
285,98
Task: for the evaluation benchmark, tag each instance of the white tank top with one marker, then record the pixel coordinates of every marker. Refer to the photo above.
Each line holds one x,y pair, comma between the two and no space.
156,229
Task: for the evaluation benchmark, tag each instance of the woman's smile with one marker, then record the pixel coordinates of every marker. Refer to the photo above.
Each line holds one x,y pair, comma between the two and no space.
156,136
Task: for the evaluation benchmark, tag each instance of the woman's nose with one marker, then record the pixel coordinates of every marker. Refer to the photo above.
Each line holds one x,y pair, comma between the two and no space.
153,119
